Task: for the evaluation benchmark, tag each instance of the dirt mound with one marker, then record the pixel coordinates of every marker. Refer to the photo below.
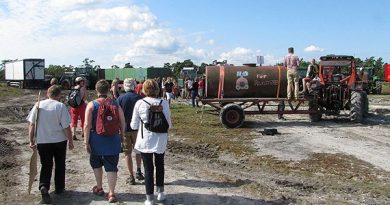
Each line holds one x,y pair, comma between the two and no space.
4,131
204,151
6,147
15,113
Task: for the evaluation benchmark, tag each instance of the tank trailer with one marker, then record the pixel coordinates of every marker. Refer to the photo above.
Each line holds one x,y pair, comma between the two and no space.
236,91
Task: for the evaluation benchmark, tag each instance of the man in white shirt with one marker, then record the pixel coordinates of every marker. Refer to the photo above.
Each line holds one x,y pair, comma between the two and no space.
53,134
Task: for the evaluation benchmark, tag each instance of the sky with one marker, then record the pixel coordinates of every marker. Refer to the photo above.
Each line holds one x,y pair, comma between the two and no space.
153,32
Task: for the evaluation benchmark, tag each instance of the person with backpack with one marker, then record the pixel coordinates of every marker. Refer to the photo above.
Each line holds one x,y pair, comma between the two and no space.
104,128
53,135
77,109
152,118
127,102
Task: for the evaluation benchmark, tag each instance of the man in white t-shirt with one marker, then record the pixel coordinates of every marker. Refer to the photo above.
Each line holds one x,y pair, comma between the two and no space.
53,134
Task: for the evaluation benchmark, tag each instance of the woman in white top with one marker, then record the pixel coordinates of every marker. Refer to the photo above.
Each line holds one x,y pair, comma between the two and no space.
151,143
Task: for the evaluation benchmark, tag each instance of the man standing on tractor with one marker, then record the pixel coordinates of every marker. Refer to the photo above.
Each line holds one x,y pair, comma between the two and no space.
311,75
291,61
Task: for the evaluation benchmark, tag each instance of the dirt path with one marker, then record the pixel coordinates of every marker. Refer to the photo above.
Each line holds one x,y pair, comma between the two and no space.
331,162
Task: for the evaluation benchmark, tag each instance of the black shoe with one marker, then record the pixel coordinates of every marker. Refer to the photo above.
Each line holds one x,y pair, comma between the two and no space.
282,119
139,176
75,138
131,180
59,191
45,196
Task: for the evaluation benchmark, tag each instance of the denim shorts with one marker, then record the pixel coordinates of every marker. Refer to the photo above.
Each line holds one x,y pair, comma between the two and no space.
110,162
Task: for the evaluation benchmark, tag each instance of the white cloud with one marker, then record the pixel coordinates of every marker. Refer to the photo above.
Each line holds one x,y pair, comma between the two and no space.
239,56
65,32
313,48
68,3
132,18
160,40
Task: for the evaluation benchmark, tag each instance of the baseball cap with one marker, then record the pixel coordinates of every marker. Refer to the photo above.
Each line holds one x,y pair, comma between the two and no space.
129,84
78,79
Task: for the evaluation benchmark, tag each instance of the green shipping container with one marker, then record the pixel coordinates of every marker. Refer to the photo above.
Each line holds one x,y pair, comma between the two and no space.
137,73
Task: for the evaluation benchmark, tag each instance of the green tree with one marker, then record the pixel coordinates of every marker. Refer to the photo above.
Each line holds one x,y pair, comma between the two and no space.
114,66
202,68
88,62
56,70
128,65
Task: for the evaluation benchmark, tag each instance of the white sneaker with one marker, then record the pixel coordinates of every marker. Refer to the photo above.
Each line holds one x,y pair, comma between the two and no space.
161,196
147,202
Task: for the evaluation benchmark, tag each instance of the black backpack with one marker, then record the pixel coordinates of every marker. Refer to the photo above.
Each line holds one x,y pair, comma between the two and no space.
74,98
156,119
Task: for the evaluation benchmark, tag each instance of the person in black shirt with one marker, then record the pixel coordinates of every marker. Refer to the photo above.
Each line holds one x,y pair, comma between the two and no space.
194,92
168,90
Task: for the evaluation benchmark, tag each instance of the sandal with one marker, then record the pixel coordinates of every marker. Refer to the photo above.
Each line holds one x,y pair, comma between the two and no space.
98,191
111,198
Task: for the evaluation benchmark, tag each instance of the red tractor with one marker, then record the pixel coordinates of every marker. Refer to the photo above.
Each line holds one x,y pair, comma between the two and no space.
338,89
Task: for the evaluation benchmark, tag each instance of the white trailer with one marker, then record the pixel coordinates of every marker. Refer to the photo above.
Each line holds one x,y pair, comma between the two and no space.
26,73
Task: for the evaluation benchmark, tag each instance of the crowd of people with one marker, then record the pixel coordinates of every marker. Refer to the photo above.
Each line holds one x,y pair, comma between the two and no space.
124,130
105,136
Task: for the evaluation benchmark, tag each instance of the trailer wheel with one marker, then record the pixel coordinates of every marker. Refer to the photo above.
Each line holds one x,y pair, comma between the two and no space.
232,116
365,104
313,106
357,107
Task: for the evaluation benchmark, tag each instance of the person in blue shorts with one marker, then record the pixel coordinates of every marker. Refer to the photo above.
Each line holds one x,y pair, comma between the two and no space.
104,150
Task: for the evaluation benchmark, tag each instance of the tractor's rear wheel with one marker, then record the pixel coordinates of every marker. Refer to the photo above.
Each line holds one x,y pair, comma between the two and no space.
365,104
378,87
65,84
232,116
357,107
314,107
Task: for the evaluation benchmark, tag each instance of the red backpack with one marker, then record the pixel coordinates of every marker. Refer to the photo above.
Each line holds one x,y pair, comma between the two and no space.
107,120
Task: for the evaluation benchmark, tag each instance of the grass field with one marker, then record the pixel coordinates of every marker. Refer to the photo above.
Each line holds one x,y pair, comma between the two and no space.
192,127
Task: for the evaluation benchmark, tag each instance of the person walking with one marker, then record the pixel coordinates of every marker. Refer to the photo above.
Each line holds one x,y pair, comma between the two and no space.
52,137
151,144
194,93
291,61
115,88
168,90
127,102
103,149
79,112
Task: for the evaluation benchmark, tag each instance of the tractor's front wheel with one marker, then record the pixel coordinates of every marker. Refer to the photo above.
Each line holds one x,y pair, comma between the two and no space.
357,107
365,104
315,113
232,116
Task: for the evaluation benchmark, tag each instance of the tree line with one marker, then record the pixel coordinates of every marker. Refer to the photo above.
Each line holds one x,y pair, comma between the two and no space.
376,64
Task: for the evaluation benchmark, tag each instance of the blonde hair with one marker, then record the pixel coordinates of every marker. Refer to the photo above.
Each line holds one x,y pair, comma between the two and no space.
150,88
53,91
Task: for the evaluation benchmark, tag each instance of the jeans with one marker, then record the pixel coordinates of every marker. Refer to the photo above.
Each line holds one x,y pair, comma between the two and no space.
147,159
47,152
194,93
